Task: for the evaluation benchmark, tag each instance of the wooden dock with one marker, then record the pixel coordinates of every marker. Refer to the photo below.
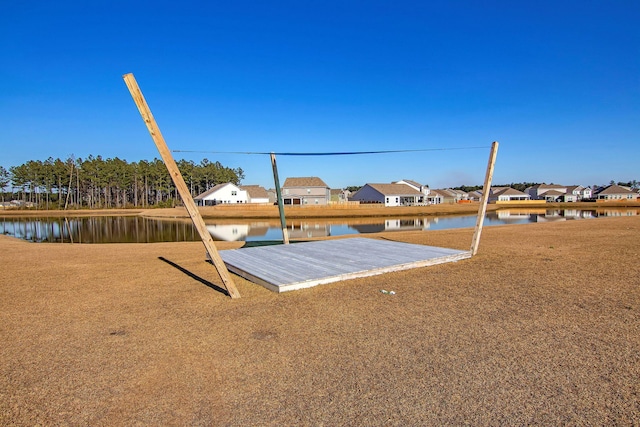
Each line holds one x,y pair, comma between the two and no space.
283,268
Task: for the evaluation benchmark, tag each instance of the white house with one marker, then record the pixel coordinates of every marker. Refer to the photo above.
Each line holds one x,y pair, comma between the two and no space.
222,193
615,193
256,194
547,192
506,194
389,194
576,193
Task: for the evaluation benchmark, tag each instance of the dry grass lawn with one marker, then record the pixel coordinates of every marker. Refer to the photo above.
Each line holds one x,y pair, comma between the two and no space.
542,327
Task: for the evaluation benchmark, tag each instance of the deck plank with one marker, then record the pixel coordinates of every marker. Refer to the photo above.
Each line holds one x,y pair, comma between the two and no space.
288,267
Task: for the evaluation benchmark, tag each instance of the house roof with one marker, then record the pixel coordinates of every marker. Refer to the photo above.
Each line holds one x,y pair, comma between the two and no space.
497,189
551,186
441,193
615,189
212,190
395,189
305,181
255,191
410,182
508,191
554,193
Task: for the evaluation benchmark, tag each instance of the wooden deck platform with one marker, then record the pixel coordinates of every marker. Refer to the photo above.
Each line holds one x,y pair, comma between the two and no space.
283,268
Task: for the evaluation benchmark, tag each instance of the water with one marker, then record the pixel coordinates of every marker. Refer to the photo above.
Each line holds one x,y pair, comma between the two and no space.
134,229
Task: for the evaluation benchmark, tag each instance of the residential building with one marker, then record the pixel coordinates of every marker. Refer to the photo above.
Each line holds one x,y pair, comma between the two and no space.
305,191
446,195
475,195
615,193
220,194
576,193
256,194
547,192
339,195
389,194
506,194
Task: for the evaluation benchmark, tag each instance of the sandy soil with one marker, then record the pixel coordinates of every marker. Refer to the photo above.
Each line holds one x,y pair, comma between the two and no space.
542,327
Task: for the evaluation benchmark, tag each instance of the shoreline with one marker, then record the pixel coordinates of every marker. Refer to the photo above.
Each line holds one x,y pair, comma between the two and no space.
329,211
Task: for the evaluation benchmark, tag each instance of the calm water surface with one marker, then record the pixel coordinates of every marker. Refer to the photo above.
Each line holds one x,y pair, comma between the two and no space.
132,229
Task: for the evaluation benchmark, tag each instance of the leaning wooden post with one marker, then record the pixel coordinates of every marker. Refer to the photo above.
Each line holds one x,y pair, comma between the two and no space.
485,198
276,180
181,186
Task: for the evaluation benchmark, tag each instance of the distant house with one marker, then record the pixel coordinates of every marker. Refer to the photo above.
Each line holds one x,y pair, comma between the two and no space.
541,192
389,194
547,192
429,197
576,193
305,191
339,195
220,194
446,195
615,193
256,194
458,195
506,194
475,195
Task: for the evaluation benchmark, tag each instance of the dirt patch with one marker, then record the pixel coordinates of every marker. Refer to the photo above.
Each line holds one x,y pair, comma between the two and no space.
541,327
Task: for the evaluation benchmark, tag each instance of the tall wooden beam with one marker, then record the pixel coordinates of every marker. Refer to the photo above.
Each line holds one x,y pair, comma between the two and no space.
181,186
482,211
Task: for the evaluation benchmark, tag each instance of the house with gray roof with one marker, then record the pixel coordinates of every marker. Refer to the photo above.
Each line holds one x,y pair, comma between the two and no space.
547,192
309,190
389,194
506,194
576,193
615,192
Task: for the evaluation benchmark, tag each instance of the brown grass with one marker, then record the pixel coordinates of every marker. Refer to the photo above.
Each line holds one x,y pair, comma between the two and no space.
542,327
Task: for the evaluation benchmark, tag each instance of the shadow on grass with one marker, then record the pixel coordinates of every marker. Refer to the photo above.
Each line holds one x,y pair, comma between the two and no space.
195,277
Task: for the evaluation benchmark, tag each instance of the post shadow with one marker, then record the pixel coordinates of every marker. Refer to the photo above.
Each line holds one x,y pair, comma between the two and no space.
195,277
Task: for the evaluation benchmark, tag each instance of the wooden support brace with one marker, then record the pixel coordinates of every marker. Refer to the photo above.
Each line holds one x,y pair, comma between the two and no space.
482,211
181,186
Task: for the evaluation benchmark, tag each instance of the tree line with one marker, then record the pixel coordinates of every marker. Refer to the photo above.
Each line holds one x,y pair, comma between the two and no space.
98,183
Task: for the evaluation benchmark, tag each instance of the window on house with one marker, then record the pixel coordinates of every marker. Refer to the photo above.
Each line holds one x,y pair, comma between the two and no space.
234,193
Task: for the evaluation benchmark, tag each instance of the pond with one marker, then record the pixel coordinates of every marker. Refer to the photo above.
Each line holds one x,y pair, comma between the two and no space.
134,229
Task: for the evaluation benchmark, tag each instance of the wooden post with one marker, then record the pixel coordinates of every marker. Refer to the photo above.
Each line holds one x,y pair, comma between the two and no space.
482,211
181,186
276,180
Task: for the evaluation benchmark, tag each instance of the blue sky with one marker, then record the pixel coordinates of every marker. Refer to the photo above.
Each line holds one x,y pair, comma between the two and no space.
557,83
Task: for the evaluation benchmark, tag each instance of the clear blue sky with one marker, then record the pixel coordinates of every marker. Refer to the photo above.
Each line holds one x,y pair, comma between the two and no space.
557,83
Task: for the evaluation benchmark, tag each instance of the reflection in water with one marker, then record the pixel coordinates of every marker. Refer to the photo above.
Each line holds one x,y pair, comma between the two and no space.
133,229
110,229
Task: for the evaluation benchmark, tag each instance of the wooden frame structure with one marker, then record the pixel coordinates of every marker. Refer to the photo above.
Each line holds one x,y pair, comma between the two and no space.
326,270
